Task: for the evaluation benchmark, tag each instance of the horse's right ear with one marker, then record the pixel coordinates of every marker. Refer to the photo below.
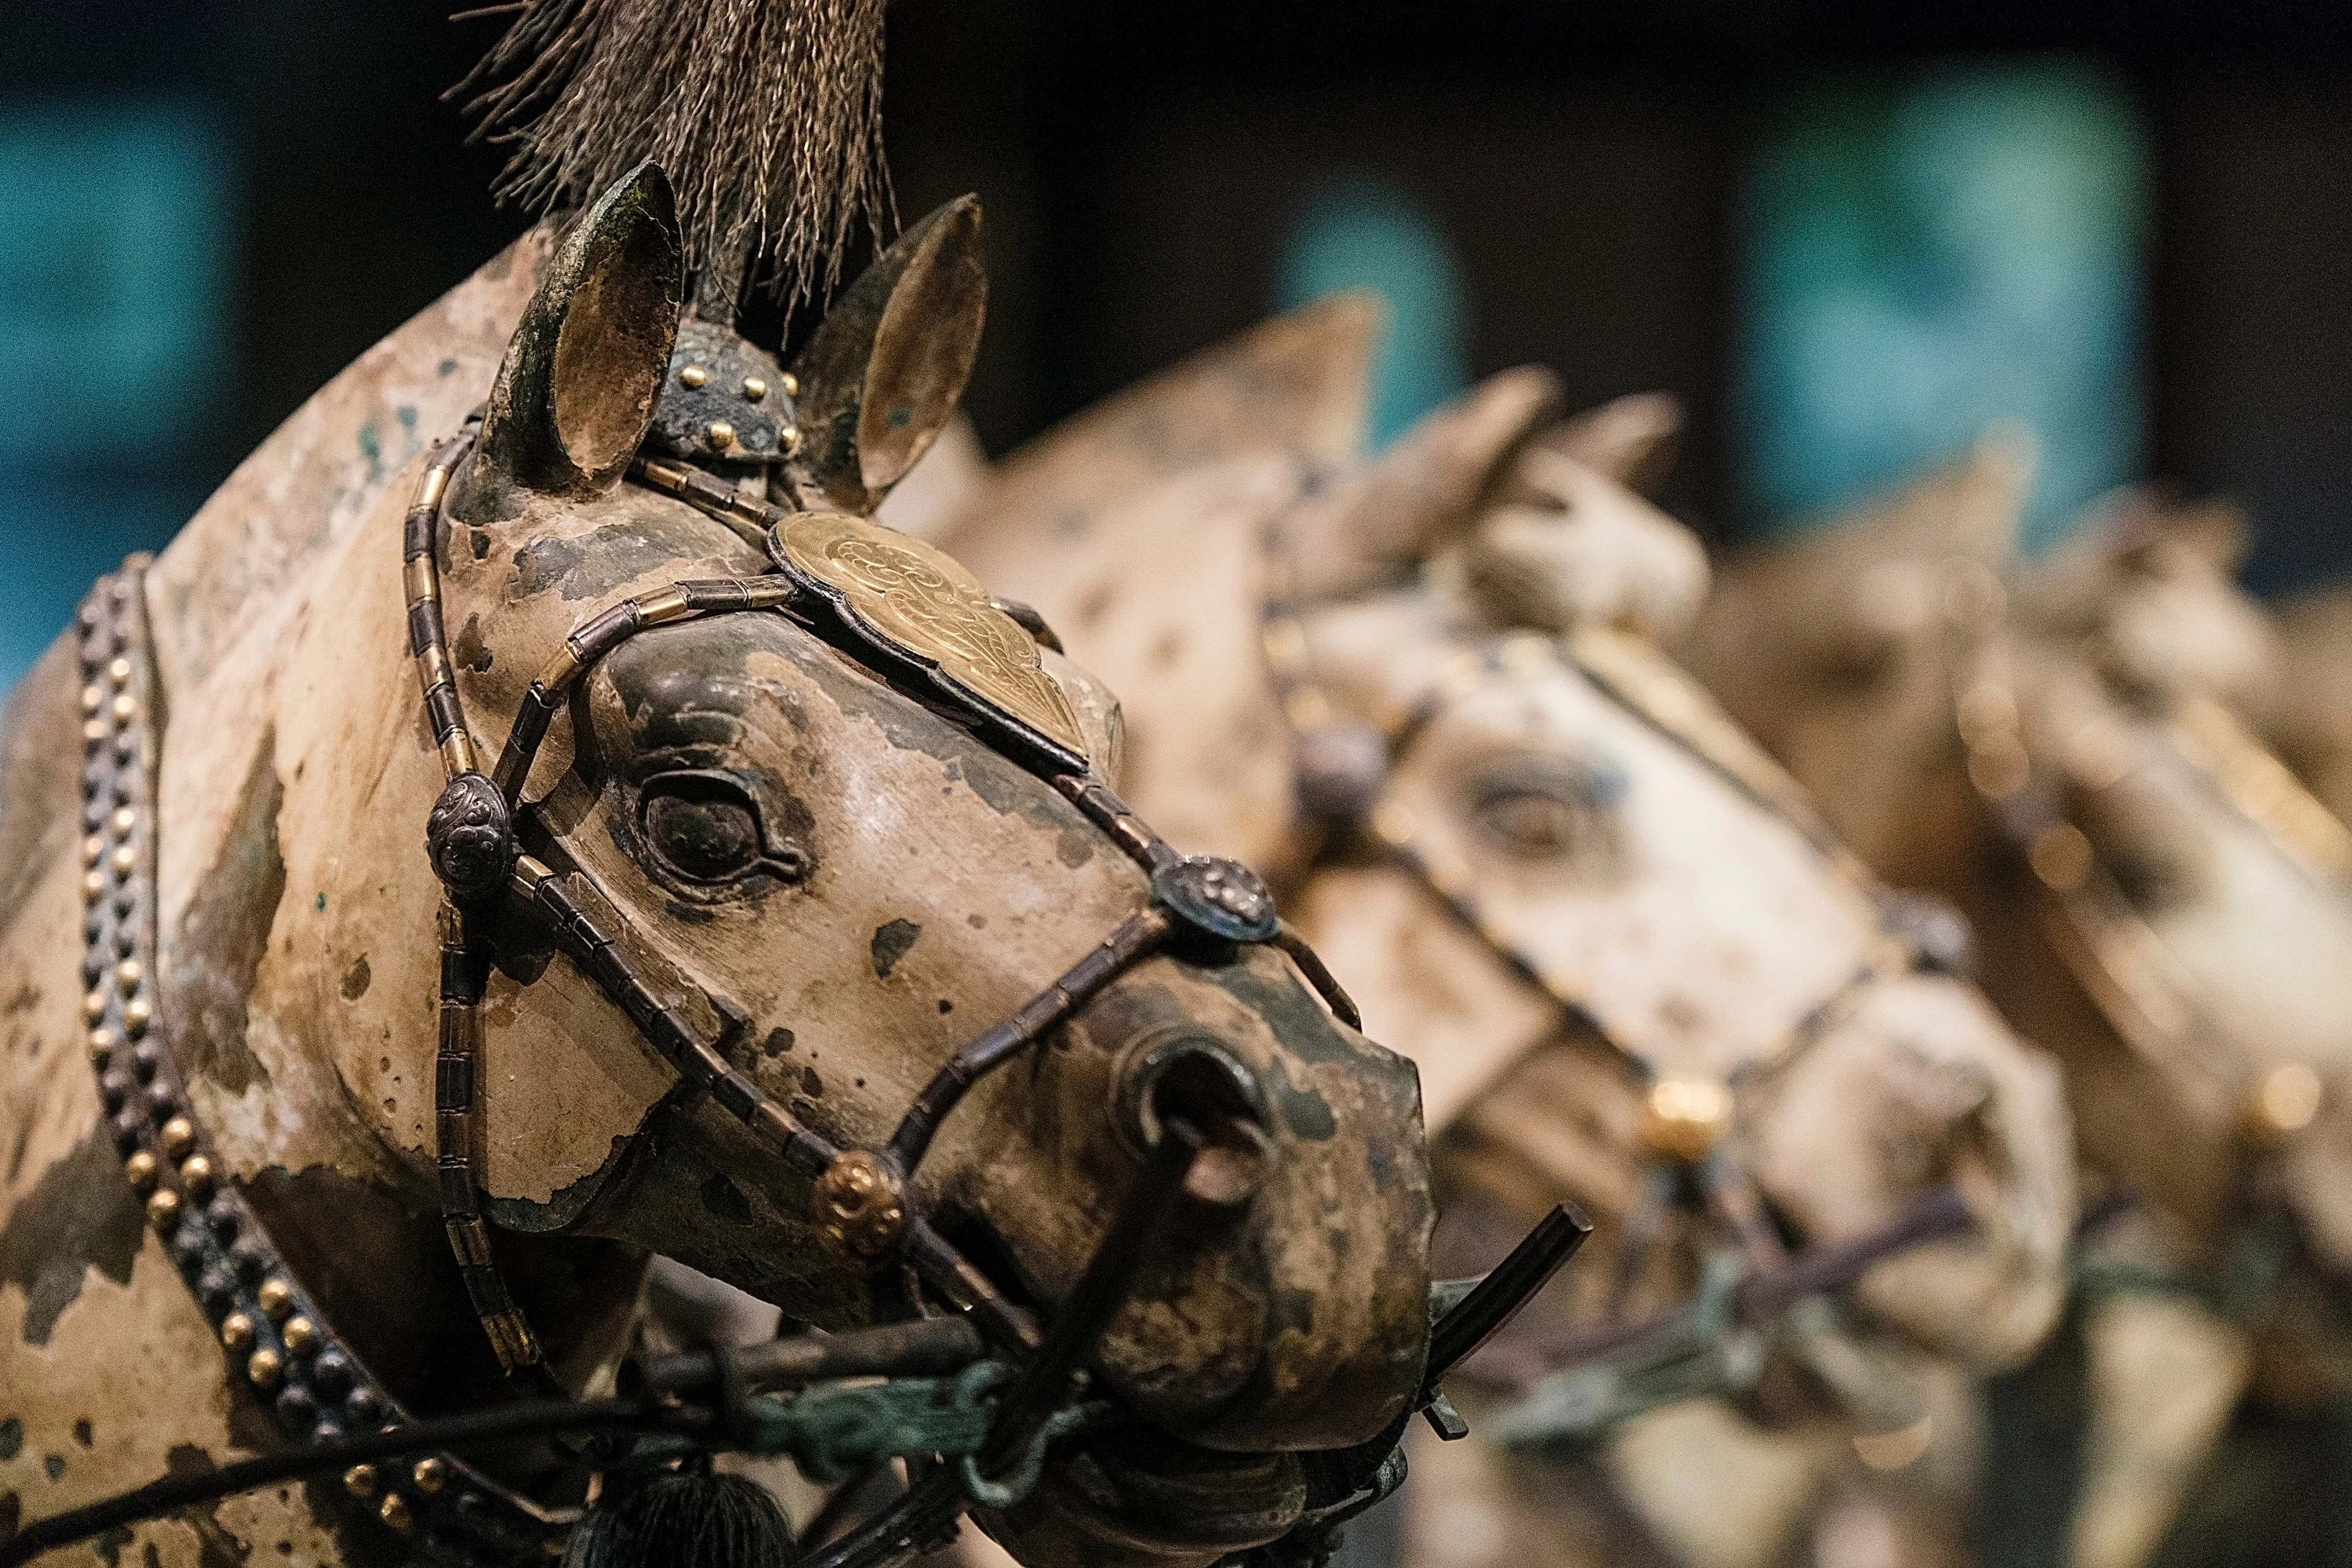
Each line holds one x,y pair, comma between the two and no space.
577,390
884,372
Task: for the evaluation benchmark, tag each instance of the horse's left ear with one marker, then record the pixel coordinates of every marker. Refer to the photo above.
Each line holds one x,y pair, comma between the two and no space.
888,365
577,390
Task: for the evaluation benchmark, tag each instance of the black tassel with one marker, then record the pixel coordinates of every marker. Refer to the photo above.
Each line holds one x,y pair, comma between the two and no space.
690,1518
766,115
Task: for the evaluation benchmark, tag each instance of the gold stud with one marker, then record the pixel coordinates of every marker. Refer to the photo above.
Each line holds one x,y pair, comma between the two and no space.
789,438
792,384
125,860
719,435
124,819
1685,1115
140,1168
93,850
92,698
693,376
119,671
179,1137
276,1296
129,973
94,731
262,1368
2286,1099
430,1474
2061,856
236,1332
395,1513
135,1014
93,1006
754,388
93,885
197,1174
300,1335
100,1043
163,1208
360,1480
1392,822
126,707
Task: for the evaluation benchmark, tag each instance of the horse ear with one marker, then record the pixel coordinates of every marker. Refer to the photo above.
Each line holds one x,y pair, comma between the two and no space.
887,364
576,392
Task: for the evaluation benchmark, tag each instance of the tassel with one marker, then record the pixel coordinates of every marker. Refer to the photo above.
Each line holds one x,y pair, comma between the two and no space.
765,115
689,1519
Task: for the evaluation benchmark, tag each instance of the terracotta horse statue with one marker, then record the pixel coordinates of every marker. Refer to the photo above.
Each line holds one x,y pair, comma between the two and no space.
2063,749
308,1131
1422,695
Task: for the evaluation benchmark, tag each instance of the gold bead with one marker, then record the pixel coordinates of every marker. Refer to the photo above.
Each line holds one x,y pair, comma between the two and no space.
360,1480
129,973
430,1474
262,1368
93,885
124,819
163,1208
693,376
300,1335
125,860
119,671
236,1332
92,698
789,438
197,1174
179,1137
395,1513
276,1296
94,729
126,706
792,384
2061,856
93,1006
1685,1115
140,1168
101,1043
754,388
719,435
135,1014
2286,1099
93,850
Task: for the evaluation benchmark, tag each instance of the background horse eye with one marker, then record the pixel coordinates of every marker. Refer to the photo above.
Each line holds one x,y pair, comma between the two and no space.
1543,810
703,829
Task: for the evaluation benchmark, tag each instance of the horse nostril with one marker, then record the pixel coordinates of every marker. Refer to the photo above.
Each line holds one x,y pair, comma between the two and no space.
1200,1082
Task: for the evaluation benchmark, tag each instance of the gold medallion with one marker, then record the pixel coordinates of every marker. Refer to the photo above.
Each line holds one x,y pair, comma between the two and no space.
923,602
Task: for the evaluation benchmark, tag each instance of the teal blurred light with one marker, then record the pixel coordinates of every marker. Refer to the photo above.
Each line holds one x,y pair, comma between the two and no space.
1358,232
1929,252
115,228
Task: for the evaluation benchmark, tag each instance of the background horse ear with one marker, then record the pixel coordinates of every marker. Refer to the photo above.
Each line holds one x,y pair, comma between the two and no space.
576,393
884,371
1630,440
1423,492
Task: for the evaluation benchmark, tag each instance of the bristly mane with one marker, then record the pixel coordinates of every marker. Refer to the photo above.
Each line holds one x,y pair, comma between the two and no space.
766,115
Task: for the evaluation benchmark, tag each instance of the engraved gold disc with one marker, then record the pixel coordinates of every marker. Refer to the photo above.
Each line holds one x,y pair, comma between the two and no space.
923,601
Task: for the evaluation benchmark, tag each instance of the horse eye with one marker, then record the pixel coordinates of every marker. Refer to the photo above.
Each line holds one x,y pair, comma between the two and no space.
704,829
1543,810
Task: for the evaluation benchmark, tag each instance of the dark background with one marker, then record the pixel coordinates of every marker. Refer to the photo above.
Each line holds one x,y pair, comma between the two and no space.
1139,160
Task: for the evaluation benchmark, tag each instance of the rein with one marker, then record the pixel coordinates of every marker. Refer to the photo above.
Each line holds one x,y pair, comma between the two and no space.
951,647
